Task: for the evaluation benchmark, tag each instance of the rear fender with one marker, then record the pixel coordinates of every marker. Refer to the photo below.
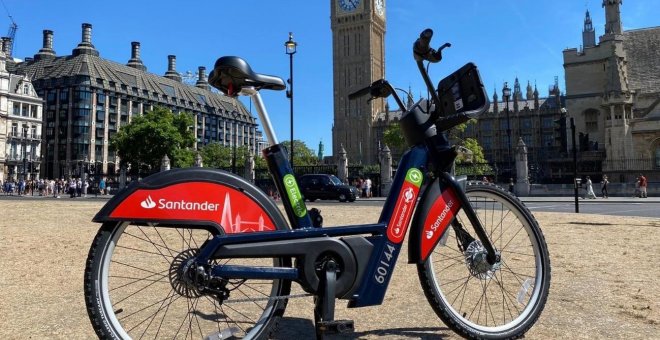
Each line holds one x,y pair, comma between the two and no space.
209,198
437,208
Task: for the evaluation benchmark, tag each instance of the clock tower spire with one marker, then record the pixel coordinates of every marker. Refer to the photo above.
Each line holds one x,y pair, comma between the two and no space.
358,59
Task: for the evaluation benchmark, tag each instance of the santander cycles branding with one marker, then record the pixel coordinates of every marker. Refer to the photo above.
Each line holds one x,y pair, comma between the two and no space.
148,203
163,203
404,205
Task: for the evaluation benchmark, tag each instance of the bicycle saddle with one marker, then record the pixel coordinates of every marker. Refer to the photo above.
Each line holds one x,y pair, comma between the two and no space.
231,74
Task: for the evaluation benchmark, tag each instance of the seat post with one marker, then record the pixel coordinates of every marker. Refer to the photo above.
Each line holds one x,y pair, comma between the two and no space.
263,114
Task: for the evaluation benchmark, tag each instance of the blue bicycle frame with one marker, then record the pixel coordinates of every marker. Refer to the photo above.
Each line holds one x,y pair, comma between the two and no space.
373,282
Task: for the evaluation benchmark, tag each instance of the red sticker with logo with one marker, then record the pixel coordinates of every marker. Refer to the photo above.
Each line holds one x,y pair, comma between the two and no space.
405,205
442,212
197,201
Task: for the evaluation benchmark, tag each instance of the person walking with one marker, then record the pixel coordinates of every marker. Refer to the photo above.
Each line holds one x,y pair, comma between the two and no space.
511,186
590,189
72,188
368,185
603,187
642,186
102,186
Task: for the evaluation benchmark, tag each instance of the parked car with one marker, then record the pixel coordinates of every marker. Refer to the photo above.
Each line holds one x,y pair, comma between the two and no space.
326,187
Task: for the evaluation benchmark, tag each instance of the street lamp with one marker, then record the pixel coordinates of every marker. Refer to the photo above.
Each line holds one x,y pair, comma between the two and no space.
506,94
290,47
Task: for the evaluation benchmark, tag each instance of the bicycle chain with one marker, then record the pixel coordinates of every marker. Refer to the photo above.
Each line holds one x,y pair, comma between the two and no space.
283,297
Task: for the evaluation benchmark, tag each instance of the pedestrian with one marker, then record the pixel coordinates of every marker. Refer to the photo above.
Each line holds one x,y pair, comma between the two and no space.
79,187
102,186
590,189
72,188
368,185
511,186
603,186
636,193
642,186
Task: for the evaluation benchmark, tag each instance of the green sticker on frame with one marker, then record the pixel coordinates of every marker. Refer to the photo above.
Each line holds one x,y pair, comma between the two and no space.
295,197
415,177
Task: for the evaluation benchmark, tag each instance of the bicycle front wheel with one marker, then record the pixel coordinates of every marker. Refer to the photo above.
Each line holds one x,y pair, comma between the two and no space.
479,300
136,286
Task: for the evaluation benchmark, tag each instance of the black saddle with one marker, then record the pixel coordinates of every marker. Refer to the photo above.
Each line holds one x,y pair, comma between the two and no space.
231,74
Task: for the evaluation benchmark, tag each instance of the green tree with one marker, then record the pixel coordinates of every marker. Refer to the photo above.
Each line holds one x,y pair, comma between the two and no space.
143,142
393,137
216,155
302,155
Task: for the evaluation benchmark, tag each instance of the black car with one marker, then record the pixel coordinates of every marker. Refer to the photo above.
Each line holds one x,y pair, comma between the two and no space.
326,187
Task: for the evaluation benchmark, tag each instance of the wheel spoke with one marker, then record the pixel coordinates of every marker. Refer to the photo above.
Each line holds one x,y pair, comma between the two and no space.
482,297
147,291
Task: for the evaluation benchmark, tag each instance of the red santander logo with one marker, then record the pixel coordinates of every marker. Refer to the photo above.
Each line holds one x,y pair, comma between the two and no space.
404,207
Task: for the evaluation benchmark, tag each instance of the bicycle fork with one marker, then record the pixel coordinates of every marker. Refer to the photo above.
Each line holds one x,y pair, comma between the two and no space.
492,255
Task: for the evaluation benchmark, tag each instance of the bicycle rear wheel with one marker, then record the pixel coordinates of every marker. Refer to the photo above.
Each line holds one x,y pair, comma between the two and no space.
134,288
478,300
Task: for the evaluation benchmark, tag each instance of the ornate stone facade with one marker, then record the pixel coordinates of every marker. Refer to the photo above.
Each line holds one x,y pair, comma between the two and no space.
20,126
358,45
613,90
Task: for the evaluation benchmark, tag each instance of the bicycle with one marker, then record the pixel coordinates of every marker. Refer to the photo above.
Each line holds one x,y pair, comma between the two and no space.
202,253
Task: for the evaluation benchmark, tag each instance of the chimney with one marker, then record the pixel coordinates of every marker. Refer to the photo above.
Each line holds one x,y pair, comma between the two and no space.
6,46
171,69
201,81
47,50
85,46
135,61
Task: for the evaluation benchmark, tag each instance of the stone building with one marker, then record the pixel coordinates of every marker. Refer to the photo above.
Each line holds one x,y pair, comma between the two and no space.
613,92
86,100
20,124
534,119
358,55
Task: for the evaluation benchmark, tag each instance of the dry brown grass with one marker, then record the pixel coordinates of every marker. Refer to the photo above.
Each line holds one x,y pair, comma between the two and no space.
604,268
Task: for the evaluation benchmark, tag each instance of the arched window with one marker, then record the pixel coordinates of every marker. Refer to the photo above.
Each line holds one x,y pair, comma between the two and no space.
657,155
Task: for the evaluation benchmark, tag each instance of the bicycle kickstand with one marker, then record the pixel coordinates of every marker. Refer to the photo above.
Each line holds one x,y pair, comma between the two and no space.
324,310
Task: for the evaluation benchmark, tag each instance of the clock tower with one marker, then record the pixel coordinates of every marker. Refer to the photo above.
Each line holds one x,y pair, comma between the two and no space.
358,59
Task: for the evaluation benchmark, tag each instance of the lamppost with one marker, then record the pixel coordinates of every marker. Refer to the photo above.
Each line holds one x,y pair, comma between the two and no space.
506,94
290,47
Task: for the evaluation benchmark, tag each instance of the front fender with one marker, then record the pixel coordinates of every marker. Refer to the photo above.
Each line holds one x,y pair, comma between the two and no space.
437,207
195,196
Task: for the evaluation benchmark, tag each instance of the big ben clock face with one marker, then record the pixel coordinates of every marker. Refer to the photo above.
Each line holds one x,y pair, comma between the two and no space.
349,5
380,7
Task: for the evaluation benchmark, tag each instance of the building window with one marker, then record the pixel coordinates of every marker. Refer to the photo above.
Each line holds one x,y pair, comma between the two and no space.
64,96
657,156
26,89
591,120
17,109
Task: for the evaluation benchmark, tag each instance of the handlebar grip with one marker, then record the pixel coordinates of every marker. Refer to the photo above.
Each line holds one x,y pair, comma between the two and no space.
359,93
422,44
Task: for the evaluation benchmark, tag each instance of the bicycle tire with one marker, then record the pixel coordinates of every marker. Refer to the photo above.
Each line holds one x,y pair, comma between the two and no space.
465,295
131,291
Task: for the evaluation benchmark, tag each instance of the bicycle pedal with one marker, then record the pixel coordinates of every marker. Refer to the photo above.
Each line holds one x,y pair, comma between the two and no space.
336,326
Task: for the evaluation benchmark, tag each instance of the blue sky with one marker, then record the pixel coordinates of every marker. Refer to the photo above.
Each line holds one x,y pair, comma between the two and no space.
505,38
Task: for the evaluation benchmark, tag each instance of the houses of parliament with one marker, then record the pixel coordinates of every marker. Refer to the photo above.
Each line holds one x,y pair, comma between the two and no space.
612,93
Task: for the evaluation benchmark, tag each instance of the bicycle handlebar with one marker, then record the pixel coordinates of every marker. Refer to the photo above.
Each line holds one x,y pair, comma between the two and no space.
422,49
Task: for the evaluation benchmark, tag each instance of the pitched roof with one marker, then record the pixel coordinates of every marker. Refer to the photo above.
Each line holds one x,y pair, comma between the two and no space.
111,76
642,48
